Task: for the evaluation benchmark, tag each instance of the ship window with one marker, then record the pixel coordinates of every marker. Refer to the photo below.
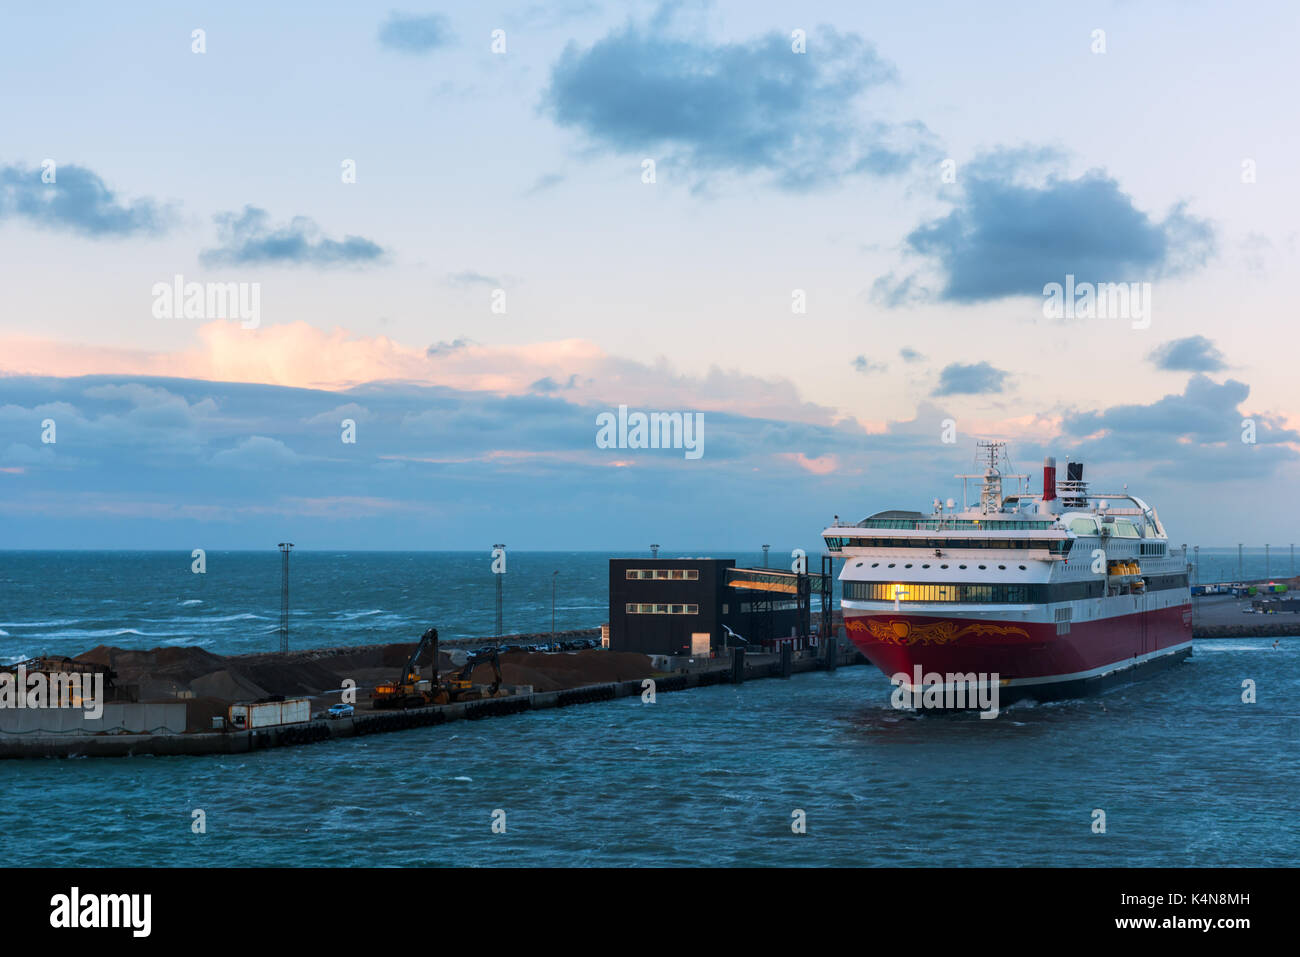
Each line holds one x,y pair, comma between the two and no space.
1003,567
908,565
858,565
875,564
961,566
943,566
1022,568
982,567
891,564
925,566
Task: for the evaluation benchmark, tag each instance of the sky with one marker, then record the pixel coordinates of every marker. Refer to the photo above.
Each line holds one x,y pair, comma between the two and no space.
829,232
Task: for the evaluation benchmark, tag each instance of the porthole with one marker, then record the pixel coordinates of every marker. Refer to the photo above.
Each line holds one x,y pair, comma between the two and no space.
961,566
875,564
925,566
1002,567
943,566
983,567
908,565
891,564
1022,568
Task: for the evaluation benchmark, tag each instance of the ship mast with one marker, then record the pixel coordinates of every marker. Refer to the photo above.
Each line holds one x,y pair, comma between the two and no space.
992,476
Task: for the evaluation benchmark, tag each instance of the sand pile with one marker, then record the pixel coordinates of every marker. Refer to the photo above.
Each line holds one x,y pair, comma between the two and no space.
557,672
162,673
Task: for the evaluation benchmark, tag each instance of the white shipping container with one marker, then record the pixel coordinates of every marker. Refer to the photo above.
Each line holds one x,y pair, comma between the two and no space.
269,714
295,711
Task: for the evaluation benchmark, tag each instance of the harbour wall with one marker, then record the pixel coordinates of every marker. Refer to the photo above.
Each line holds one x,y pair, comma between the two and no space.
755,667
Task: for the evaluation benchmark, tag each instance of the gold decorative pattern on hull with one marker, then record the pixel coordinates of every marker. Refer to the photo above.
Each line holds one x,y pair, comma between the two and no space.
943,632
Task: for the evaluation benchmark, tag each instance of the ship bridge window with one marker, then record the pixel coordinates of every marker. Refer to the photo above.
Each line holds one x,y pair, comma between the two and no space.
1124,529
1084,526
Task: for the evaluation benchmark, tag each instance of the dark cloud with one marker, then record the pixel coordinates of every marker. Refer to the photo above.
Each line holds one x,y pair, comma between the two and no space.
77,201
249,238
1192,354
548,384
157,462
866,366
1194,436
407,33
447,348
1008,237
745,107
978,378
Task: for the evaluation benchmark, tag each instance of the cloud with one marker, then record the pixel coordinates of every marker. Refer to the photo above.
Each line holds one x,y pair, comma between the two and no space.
1191,354
1009,237
978,378
248,238
416,35
301,355
866,366
447,348
257,452
548,384
544,182
435,464
822,465
78,201
740,107
469,277
1193,436
908,354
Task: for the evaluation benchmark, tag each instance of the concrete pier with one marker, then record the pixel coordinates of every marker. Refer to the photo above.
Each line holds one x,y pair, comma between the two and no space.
720,671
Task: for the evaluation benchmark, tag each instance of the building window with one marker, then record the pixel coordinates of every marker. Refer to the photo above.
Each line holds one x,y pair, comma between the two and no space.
662,574
644,608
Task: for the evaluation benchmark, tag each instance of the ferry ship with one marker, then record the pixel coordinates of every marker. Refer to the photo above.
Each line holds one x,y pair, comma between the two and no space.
1058,594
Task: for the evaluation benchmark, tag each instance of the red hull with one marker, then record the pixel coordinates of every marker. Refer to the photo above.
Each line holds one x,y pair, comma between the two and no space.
1017,650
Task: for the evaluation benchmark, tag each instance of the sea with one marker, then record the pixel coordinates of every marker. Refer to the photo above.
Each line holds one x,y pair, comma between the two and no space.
817,770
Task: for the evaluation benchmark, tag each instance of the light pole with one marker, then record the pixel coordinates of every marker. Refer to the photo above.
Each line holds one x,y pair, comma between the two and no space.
654,551
554,576
284,596
765,548
499,570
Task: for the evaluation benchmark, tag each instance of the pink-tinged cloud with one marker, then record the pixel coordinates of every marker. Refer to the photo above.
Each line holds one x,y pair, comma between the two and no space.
299,354
821,465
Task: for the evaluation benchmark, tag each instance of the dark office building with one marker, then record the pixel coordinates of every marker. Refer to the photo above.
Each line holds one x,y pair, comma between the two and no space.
657,605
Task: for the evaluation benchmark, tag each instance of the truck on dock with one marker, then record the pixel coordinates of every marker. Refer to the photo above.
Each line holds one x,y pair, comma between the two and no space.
268,714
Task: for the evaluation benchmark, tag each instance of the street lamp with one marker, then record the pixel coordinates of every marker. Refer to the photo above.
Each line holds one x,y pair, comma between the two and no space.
554,576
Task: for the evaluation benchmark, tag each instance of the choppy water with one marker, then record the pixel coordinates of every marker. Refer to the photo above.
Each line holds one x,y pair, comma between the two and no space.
1186,773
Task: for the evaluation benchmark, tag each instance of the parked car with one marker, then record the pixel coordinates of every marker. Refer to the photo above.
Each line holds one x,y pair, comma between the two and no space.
341,711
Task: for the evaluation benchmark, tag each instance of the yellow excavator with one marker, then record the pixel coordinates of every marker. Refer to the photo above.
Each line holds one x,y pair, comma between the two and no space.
459,687
411,691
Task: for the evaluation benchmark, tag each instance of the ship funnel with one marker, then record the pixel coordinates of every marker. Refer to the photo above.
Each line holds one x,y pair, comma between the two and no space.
1049,479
